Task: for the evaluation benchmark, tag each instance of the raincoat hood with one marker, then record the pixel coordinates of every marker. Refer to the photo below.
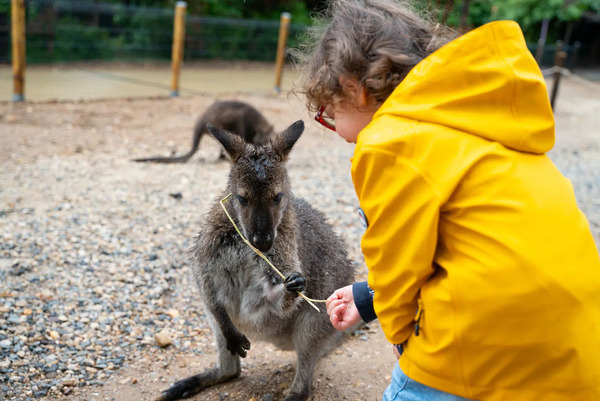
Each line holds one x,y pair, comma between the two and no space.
487,72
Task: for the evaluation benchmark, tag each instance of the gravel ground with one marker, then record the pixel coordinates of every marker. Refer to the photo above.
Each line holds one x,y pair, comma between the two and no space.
94,278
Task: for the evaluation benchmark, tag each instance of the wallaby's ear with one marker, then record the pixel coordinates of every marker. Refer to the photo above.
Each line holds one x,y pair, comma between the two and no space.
284,142
233,144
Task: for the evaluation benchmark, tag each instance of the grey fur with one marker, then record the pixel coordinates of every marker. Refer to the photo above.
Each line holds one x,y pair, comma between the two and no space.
243,297
234,116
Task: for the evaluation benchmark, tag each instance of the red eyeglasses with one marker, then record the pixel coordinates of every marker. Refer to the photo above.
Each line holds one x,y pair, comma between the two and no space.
322,118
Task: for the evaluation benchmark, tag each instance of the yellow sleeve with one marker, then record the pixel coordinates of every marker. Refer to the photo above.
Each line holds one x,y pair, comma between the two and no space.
402,211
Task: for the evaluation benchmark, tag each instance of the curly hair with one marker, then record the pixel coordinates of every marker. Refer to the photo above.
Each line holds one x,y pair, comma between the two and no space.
376,41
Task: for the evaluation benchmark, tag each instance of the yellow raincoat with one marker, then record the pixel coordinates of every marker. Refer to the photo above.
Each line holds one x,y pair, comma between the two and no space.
472,224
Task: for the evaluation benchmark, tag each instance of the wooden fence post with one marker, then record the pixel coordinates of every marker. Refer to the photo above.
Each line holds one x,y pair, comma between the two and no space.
464,17
576,48
281,44
559,62
178,44
18,49
539,53
557,49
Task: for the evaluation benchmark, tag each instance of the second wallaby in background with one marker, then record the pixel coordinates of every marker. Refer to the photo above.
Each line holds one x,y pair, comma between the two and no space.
244,298
234,116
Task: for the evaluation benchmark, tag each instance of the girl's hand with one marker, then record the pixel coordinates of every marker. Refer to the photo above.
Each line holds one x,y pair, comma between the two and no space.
396,351
341,309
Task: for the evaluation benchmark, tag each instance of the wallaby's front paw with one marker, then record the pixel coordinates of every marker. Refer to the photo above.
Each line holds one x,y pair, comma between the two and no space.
238,344
295,282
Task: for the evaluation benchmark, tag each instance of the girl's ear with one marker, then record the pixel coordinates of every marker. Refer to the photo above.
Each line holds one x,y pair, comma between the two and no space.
363,97
354,91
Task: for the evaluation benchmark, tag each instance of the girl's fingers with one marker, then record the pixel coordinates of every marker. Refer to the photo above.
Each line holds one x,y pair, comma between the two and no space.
336,318
396,351
332,297
332,305
338,312
337,294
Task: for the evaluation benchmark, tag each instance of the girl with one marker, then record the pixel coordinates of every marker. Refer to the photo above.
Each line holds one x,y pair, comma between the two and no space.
481,264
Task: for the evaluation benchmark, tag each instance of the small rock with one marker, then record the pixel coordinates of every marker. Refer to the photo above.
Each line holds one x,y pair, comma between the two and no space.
69,382
163,339
45,295
91,370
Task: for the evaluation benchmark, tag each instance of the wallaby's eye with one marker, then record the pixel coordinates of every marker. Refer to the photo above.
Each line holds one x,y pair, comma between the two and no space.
277,198
243,201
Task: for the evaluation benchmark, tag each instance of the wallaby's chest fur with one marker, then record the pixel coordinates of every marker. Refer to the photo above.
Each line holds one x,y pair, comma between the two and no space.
251,291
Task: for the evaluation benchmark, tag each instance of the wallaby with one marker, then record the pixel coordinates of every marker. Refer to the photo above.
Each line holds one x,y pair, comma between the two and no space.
243,296
234,116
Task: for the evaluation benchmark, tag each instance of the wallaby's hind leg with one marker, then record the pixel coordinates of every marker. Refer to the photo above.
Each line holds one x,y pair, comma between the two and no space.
310,348
228,367
309,351
305,367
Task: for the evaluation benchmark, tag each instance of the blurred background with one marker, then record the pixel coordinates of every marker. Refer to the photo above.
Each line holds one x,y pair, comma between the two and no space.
61,31
141,30
106,48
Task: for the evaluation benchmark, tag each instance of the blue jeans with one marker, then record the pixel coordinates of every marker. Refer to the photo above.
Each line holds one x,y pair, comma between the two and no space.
403,388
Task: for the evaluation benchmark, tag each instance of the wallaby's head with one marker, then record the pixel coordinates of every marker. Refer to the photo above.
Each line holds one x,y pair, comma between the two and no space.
258,182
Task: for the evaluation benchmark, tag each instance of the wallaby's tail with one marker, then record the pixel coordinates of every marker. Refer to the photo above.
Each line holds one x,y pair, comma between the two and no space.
174,159
199,130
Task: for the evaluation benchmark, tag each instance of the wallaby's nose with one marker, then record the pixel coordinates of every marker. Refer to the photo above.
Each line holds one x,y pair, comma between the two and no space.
262,242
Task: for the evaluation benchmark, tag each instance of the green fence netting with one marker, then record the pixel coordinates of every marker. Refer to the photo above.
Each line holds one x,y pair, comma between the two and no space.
58,31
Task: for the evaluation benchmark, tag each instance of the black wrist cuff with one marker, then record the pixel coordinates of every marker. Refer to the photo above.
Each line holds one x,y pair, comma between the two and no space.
363,299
